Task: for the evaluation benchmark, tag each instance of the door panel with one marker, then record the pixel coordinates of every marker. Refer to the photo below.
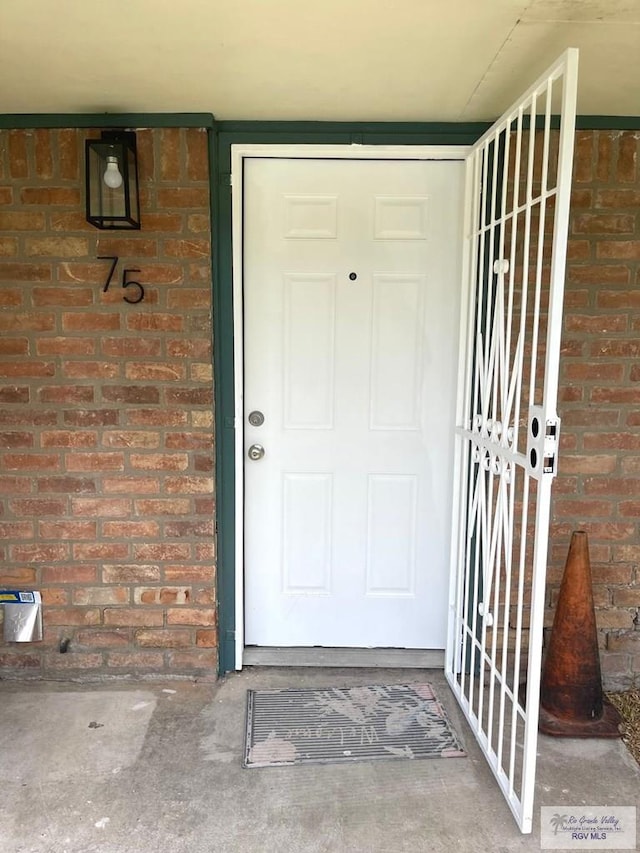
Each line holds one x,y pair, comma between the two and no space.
518,187
351,280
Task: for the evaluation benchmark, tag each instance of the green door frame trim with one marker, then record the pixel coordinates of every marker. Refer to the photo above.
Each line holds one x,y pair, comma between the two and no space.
221,136
224,135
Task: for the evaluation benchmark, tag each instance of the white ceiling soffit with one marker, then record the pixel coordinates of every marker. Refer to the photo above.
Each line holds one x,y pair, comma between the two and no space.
608,35
375,60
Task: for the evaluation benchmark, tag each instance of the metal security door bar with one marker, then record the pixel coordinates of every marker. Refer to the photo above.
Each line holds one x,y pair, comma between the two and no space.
516,222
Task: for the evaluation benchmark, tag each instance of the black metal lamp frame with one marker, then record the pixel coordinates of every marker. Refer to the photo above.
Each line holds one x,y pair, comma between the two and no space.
112,207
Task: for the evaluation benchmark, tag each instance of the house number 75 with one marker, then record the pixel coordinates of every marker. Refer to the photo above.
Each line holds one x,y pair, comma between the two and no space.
132,297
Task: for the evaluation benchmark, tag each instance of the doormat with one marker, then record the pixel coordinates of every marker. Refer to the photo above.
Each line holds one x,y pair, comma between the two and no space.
325,726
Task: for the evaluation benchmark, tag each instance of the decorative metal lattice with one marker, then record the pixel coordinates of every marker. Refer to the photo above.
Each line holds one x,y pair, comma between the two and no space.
516,222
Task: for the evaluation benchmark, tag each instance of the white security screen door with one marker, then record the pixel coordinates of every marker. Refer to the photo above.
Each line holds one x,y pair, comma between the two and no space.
516,221
351,306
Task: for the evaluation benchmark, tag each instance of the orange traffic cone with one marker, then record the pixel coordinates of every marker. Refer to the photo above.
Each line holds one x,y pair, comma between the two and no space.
572,703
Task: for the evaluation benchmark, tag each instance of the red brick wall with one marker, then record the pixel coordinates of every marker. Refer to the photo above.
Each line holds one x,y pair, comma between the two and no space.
598,487
106,428
106,424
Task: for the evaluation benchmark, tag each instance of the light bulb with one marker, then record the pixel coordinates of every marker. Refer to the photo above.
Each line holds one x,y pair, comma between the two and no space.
112,176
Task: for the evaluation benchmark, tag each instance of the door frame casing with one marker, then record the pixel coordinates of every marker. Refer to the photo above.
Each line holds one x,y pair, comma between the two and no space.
222,136
239,153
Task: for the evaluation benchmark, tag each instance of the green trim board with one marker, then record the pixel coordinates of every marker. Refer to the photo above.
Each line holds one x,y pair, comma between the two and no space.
583,122
21,121
607,122
17,121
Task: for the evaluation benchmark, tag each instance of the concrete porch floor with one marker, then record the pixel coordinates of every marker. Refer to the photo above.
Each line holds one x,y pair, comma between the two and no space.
160,769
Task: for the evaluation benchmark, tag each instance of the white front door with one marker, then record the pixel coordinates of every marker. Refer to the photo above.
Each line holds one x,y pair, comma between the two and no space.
351,296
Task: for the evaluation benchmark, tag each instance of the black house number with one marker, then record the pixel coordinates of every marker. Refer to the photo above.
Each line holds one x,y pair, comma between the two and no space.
133,296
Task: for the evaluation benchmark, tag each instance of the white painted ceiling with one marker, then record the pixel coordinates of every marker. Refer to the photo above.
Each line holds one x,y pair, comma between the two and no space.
346,60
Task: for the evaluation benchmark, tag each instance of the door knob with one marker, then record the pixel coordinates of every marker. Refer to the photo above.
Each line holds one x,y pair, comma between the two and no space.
255,452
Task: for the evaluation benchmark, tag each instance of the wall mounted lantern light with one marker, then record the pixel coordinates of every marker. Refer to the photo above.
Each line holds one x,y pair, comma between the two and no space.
113,200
